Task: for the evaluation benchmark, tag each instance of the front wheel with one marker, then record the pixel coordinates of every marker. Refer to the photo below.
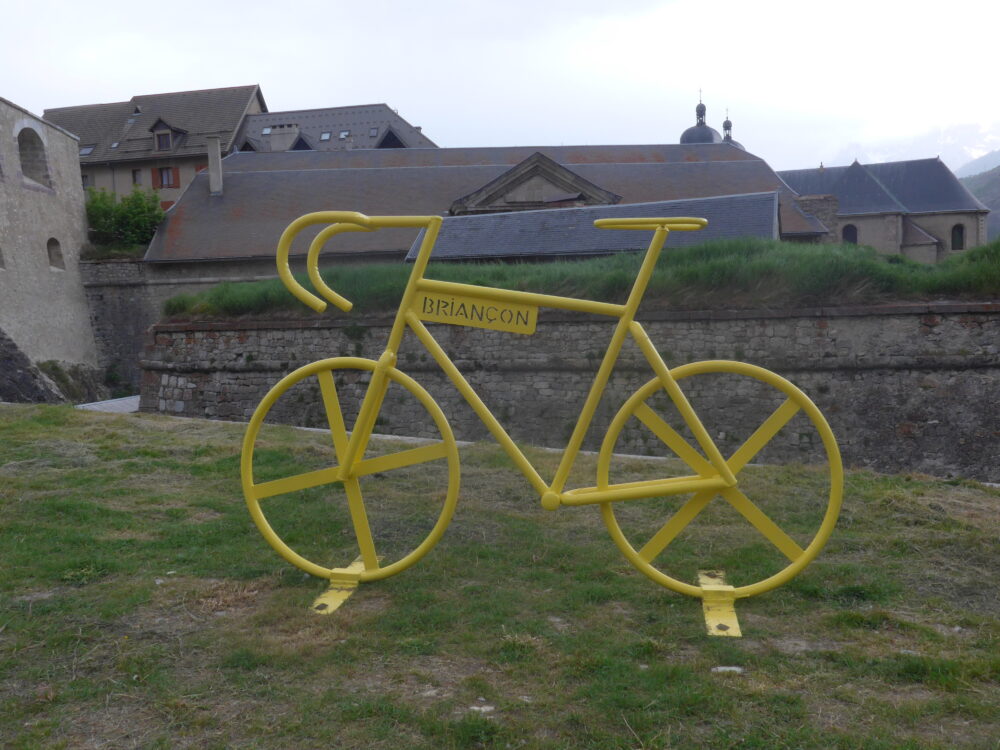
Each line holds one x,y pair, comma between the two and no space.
388,508
761,422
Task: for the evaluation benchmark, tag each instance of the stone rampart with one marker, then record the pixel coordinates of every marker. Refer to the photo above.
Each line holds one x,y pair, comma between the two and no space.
904,387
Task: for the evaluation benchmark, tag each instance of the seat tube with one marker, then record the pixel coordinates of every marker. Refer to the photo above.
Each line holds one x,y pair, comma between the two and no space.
683,405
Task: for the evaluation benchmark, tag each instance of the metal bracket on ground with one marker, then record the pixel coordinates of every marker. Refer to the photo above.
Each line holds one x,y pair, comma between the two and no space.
340,590
717,602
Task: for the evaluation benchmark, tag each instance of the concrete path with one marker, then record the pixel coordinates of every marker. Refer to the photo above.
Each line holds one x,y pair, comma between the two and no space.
125,405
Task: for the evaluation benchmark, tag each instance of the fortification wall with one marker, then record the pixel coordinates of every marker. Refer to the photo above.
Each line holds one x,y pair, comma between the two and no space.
910,387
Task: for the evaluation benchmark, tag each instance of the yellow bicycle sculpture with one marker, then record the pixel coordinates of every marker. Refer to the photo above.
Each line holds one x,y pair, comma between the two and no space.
425,300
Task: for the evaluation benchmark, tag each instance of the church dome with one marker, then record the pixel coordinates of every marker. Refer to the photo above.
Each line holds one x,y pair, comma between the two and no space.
700,132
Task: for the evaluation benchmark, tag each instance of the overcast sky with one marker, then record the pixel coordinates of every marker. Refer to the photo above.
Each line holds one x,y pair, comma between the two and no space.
803,82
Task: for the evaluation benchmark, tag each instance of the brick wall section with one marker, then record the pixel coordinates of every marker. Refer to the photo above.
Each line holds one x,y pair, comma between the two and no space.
906,387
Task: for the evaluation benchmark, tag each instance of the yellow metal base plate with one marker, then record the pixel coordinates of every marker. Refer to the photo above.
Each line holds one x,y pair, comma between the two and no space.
339,591
717,603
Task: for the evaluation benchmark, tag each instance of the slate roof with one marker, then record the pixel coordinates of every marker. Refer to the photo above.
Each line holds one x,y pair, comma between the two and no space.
570,232
263,193
194,114
507,156
915,186
359,120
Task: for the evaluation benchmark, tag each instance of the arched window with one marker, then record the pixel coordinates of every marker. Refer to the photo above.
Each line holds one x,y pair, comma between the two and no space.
34,165
958,237
849,234
55,254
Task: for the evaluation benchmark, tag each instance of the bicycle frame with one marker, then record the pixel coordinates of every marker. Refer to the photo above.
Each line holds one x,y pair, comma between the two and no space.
430,300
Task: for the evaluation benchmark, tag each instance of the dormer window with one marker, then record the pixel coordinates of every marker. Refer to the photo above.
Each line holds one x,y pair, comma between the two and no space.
163,141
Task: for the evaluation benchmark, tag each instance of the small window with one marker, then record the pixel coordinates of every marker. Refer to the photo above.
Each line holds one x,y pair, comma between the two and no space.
373,133
849,234
55,254
324,136
2,266
344,134
114,145
34,165
958,237
86,180
166,177
163,141
136,176
86,150
265,131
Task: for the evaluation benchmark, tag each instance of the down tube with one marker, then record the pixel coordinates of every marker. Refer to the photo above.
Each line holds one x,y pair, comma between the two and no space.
472,398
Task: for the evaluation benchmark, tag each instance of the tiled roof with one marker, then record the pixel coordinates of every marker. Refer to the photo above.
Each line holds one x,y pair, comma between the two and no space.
925,186
365,124
257,204
507,156
195,115
915,186
571,231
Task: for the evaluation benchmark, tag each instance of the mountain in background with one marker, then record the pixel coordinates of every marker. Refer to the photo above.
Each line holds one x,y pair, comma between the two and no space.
984,163
965,148
986,187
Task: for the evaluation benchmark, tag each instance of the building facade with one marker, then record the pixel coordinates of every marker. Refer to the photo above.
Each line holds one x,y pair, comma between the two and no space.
157,141
42,228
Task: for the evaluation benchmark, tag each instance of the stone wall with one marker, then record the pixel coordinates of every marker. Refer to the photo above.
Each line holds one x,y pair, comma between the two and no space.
909,387
126,297
42,228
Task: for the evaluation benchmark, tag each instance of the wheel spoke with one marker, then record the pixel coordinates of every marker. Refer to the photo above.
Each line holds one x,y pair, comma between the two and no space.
788,546
674,441
400,460
359,517
334,416
675,525
296,482
763,435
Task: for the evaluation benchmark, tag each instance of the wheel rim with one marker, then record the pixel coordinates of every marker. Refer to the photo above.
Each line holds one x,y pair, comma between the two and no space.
795,402
442,449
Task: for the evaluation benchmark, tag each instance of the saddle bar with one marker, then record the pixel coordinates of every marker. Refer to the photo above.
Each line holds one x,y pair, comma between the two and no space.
672,223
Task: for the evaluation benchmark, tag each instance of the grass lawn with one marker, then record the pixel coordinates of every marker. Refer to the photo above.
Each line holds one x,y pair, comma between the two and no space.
139,607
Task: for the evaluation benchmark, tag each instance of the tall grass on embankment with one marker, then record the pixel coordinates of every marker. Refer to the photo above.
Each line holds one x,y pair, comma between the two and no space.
742,273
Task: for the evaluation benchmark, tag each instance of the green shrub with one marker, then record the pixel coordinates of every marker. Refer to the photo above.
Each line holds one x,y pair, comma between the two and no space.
122,224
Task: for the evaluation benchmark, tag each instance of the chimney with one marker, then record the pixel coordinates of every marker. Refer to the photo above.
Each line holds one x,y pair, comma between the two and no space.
214,165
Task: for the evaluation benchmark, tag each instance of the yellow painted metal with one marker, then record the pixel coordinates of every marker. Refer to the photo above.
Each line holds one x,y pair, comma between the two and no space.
795,401
467,310
717,602
346,476
342,585
516,312
522,298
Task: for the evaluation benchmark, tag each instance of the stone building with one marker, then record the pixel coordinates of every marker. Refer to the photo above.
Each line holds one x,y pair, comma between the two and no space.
161,141
915,208
155,141
43,309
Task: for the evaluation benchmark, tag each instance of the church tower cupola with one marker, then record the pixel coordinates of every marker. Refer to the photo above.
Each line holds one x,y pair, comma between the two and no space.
700,132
